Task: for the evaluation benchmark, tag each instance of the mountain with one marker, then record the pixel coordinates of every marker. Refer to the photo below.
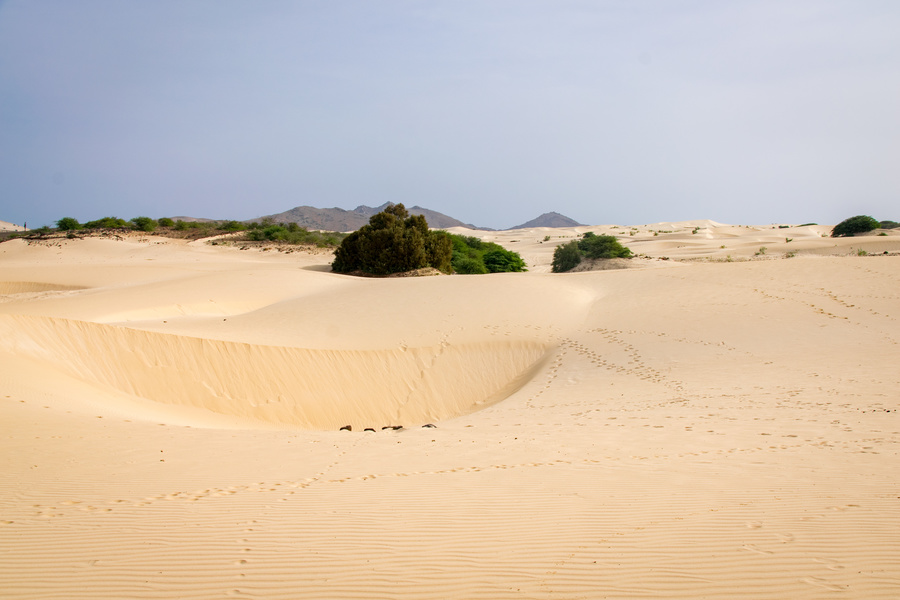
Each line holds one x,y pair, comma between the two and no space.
550,219
338,219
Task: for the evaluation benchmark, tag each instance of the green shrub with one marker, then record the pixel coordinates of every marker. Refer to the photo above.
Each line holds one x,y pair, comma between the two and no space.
602,246
166,222
472,256
68,224
591,245
854,225
107,223
566,257
469,266
889,224
392,242
499,260
143,224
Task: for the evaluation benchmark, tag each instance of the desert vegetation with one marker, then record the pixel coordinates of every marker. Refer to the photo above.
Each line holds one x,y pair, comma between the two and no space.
472,256
394,242
568,256
854,225
265,231
286,233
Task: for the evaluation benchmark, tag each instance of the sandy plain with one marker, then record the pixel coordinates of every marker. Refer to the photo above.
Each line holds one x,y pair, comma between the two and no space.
715,421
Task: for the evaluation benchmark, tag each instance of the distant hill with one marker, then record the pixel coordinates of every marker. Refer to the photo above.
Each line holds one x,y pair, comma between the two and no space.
550,219
338,219
192,219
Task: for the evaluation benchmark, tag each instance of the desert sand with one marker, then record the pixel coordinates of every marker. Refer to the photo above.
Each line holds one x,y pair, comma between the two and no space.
718,420
4,226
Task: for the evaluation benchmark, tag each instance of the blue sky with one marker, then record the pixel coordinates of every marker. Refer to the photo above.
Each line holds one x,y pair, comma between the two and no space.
492,111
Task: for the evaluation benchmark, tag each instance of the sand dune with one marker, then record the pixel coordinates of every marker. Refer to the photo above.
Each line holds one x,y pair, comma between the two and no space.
4,226
720,424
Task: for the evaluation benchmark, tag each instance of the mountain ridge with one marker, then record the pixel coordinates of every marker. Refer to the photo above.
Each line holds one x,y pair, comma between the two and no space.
339,219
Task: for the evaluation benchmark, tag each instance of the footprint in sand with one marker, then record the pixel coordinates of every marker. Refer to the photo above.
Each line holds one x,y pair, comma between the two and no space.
831,565
755,548
822,583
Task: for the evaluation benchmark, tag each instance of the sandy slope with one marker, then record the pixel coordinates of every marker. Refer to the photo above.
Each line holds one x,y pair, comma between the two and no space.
722,424
4,226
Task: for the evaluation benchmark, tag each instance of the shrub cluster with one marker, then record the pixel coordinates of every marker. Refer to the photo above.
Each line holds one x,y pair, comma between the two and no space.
266,231
568,256
472,256
394,242
137,223
288,233
854,225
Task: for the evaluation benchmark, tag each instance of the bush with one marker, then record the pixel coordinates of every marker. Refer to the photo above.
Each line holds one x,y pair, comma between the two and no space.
68,224
854,225
566,257
106,223
166,222
591,245
469,266
889,224
143,224
503,261
472,256
393,242
602,246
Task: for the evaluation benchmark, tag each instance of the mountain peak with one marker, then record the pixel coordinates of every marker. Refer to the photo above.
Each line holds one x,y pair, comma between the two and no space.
550,219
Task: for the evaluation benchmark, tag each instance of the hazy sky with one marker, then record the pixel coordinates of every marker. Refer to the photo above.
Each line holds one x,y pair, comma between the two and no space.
491,111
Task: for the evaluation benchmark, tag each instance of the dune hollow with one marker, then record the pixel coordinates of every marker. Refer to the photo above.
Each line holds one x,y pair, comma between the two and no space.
280,386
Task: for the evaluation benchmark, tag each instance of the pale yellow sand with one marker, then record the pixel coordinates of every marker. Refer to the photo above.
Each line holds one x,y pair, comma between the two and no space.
4,226
722,424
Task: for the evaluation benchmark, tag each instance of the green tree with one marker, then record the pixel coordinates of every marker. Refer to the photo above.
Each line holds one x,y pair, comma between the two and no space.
393,242
68,224
439,251
854,225
166,222
566,257
143,224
